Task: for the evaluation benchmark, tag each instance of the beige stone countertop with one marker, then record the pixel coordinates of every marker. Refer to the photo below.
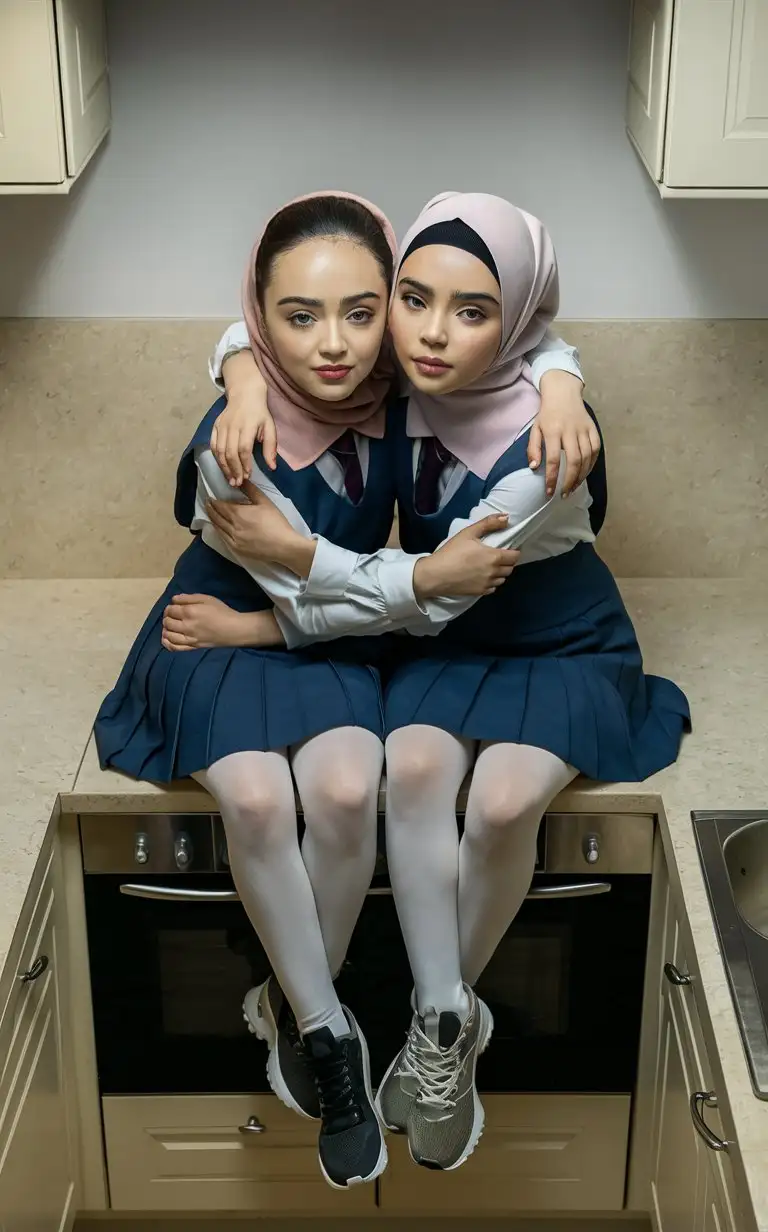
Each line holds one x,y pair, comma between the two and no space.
62,644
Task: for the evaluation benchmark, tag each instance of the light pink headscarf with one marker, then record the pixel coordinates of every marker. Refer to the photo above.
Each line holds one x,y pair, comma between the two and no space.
307,426
480,422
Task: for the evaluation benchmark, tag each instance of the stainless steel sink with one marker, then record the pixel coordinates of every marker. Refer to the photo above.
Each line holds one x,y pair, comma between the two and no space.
733,847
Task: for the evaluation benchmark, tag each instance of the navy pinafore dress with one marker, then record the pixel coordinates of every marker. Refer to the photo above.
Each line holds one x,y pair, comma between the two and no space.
173,713
550,659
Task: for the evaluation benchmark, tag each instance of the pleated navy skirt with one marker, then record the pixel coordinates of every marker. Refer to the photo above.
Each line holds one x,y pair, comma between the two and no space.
173,713
560,669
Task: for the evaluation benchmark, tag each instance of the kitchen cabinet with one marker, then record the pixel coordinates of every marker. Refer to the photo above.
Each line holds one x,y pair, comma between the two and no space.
537,1153
690,1184
697,95
218,1153
37,1177
54,92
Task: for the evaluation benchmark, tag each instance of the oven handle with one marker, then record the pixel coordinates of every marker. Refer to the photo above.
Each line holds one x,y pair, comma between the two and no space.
581,889
180,894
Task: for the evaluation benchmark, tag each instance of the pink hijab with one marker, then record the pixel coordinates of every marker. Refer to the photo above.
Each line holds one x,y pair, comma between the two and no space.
307,426
480,422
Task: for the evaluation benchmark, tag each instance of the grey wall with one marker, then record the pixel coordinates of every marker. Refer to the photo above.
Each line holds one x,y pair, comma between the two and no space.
225,108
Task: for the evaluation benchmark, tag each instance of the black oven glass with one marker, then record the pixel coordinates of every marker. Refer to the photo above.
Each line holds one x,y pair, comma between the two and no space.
565,989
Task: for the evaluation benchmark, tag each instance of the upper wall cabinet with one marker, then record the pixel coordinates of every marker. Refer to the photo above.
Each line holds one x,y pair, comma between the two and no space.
54,92
697,100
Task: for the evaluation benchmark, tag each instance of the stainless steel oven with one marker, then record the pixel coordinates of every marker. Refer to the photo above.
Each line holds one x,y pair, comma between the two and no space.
172,954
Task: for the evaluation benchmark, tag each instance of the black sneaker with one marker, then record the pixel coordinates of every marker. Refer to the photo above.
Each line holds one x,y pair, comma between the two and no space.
351,1146
270,1017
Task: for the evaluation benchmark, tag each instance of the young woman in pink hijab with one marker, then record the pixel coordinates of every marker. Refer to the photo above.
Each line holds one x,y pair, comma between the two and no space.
254,724
538,680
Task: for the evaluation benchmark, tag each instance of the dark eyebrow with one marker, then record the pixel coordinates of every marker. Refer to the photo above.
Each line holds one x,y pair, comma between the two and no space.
318,303
475,295
300,299
462,296
421,287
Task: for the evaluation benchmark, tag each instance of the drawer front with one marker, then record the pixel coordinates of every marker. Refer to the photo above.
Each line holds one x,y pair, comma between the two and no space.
33,973
537,1153
189,1152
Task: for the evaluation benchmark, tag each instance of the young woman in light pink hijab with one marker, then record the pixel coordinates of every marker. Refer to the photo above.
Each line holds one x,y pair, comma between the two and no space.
538,680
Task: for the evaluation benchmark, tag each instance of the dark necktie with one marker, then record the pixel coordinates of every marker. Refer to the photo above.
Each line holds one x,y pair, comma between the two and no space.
434,459
344,451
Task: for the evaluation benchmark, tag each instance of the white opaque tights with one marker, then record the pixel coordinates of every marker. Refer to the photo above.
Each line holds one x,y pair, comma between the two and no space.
456,899
303,903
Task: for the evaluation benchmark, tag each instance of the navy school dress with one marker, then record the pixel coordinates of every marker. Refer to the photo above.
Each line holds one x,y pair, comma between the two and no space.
550,659
172,713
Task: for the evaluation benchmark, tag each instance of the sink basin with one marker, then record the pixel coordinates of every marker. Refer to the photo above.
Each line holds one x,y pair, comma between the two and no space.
746,859
733,848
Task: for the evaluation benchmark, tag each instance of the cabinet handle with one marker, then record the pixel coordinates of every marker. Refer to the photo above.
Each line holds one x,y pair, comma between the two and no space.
677,977
36,970
699,1100
253,1126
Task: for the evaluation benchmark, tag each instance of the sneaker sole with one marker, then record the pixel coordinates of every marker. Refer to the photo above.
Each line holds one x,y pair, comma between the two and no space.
383,1159
264,1027
478,1120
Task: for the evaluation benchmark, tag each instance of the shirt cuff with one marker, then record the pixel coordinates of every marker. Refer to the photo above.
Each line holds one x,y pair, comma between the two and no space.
331,570
396,582
295,639
556,361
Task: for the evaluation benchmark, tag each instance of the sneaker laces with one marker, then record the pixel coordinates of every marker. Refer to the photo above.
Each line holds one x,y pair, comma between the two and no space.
335,1088
436,1070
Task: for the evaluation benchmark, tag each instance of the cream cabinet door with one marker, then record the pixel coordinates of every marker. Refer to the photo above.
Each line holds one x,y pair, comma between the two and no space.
31,149
36,1183
678,1175
717,121
649,50
84,77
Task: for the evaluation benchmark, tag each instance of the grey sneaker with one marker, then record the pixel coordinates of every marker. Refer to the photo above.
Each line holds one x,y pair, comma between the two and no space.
400,1085
446,1118
270,1017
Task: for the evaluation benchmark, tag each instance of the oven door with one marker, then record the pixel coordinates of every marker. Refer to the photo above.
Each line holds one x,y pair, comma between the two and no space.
169,976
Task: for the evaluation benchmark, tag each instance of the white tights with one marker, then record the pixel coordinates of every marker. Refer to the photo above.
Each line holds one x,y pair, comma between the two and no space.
303,903
456,899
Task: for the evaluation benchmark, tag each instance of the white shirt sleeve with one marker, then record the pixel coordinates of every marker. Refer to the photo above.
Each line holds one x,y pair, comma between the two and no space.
318,611
337,571
552,354
232,340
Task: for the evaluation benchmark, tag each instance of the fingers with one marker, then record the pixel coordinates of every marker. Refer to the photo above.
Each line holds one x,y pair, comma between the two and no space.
234,462
587,460
254,494
244,457
269,444
173,624
190,599
488,525
219,439
573,462
595,445
552,451
176,641
534,447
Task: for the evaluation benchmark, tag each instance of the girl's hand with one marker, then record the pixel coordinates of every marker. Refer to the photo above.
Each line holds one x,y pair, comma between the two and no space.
198,622
563,424
465,565
261,531
244,421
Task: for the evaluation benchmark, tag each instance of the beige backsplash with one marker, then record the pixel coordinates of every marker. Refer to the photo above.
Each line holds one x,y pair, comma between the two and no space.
93,415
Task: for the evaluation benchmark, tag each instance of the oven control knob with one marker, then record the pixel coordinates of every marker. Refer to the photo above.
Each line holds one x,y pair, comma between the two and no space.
591,849
141,849
182,851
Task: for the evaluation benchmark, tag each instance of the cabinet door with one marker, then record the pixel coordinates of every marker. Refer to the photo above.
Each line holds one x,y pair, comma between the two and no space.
676,1187
36,1186
649,51
30,115
84,77
717,125
716,1217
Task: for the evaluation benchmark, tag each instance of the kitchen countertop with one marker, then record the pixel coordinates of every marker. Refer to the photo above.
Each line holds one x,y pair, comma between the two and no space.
62,644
